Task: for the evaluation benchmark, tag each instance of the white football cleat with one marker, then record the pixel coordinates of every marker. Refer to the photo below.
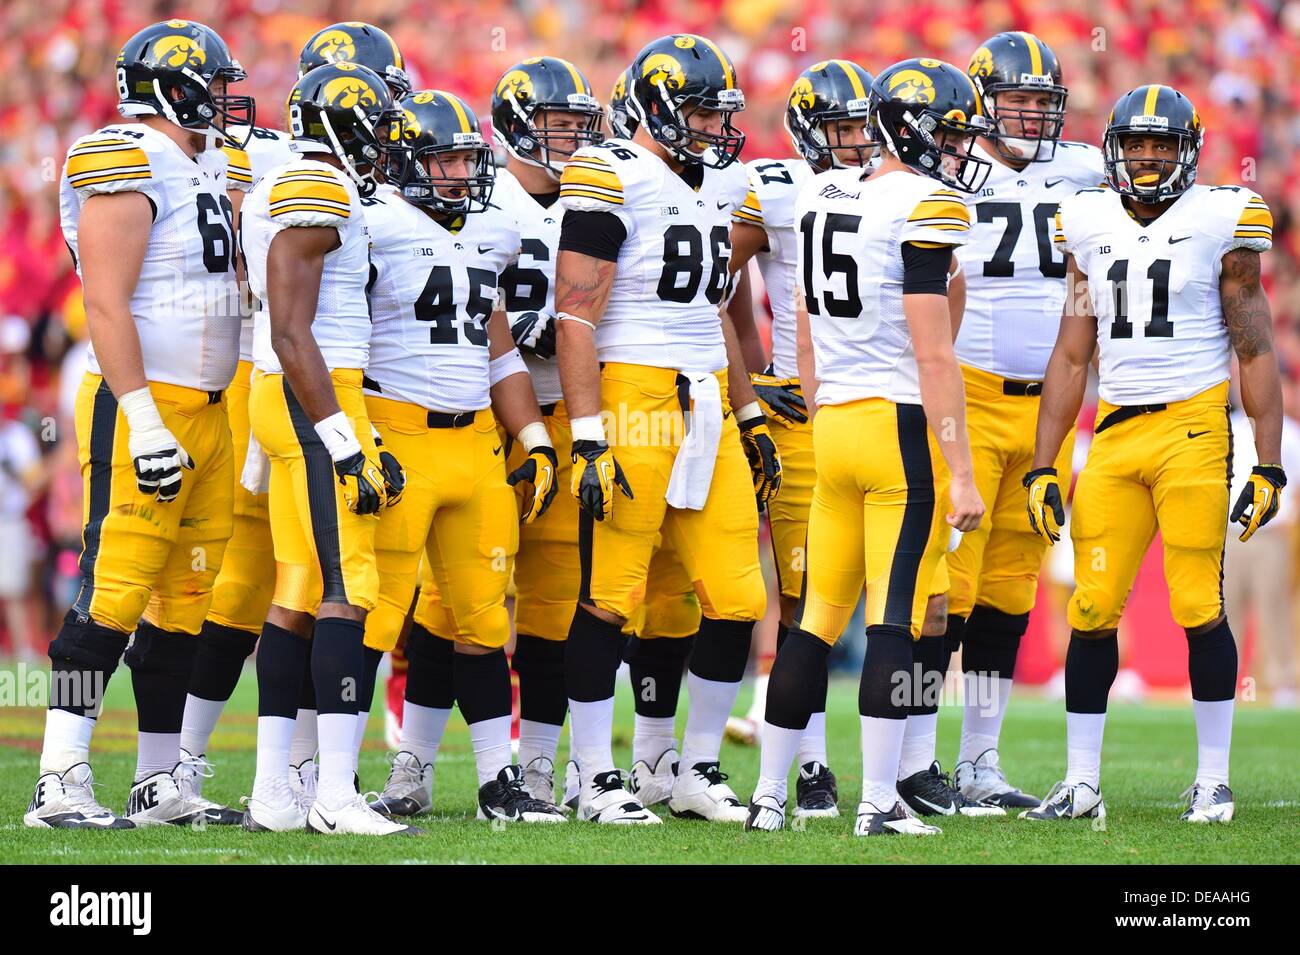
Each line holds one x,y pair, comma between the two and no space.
701,792
274,806
67,801
1076,801
409,790
654,784
302,780
984,782
190,773
766,814
1209,804
603,799
506,799
873,821
354,818
158,800
539,779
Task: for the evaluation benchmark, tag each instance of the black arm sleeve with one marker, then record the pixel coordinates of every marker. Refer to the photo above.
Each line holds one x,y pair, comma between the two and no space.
597,234
925,271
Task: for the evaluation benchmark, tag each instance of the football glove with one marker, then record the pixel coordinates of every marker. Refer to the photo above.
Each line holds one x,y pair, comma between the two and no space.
363,482
394,476
539,470
1045,499
156,454
534,333
764,462
596,472
782,398
1262,496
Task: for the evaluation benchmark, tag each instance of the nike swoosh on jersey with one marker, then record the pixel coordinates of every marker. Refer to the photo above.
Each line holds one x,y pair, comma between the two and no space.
1053,183
1175,240
722,205
484,249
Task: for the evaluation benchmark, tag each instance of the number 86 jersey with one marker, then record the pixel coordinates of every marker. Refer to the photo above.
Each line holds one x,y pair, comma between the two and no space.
1155,289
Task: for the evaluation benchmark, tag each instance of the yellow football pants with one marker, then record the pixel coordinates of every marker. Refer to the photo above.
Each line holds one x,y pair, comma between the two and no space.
787,513
140,557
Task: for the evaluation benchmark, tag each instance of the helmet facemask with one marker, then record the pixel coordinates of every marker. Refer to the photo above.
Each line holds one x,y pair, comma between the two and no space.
934,145
669,124
369,148
820,139
538,143
1169,179
184,97
426,182
1050,122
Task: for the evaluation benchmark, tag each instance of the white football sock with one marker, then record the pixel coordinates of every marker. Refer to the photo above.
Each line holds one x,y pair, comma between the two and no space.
198,723
338,732
67,741
882,745
537,740
422,729
918,744
812,745
1083,733
710,705
273,736
758,708
304,743
1213,740
491,740
156,753
359,738
652,736
591,727
779,746
984,707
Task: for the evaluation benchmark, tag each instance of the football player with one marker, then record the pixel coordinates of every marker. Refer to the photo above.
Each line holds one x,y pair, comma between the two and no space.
243,589
1163,277
826,117
306,248
875,254
642,273
441,360
145,214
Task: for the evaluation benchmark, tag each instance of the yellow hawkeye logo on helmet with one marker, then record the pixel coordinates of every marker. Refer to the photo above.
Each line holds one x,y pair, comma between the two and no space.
912,86
178,51
662,69
410,127
334,45
516,83
981,64
347,92
802,95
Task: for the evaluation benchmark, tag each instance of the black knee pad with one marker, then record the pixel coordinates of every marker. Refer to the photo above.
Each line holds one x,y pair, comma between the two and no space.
992,641
1091,664
928,660
797,673
1212,663
591,657
661,651
722,650
219,660
540,665
482,685
429,662
888,684
159,652
655,668
83,657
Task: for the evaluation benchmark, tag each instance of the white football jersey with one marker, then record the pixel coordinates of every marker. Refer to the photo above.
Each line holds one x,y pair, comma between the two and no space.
431,298
529,284
308,193
774,185
265,150
855,230
672,270
185,304
1015,277
1155,290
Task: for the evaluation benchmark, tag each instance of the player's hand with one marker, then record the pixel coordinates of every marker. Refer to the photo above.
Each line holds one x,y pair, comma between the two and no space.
156,454
534,333
596,472
1046,510
764,462
1262,496
539,470
363,481
781,397
967,506
394,476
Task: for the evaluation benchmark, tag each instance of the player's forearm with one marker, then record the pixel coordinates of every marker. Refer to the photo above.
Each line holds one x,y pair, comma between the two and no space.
956,296
293,287
740,391
515,403
1261,396
805,357
1058,409
943,396
741,312
1249,319
579,369
117,346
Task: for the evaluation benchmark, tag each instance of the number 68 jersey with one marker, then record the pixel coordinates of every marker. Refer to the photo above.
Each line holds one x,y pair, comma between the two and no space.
184,308
1155,289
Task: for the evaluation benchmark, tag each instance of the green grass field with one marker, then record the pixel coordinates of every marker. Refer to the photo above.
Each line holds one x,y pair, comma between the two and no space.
1150,758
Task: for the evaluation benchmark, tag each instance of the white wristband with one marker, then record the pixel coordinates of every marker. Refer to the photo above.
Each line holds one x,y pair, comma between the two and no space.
534,435
590,428
503,366
749,412
141,413
338,437
566,317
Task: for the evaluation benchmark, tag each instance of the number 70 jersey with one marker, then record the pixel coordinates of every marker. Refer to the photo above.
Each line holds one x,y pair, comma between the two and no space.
1155,289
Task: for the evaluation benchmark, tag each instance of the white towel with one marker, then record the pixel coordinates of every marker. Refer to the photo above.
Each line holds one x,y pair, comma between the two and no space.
256,476
688,485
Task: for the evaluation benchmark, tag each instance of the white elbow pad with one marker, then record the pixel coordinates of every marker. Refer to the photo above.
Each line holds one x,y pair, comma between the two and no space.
511,363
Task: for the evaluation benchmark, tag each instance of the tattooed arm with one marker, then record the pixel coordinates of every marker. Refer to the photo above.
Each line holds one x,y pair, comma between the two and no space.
1250,328
582,287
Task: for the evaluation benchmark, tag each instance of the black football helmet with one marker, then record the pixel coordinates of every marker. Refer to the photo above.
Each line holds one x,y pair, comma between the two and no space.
671,78
618,113
1023,63
527,94
435,123
357,42
917,100
829,92
346,109
1153,111
167,70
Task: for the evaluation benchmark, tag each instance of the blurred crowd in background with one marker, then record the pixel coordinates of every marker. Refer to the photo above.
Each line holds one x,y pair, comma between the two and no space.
1238,60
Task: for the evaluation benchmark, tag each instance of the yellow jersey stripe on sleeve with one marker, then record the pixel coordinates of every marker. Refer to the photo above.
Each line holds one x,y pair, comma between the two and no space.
750,211
1256,221
101,161
239,169
589,177
295,191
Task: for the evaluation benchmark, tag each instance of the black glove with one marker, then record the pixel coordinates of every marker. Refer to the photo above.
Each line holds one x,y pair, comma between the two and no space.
363,483
764,462
1262,495
595,473
539,470
1044,497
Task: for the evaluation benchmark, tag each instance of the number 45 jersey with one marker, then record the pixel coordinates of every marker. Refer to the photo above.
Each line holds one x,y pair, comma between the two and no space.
1014,277
184,310
672,269
1155,289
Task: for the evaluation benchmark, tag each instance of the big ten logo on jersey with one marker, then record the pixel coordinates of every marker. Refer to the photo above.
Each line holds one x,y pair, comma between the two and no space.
669,211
